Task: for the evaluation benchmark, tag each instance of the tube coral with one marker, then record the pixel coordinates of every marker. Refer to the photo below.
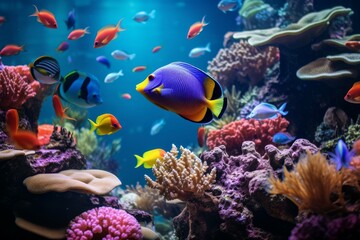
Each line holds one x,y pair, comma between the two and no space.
182,178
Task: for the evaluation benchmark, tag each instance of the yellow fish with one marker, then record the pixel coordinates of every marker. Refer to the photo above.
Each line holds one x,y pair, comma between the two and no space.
149,158
106,124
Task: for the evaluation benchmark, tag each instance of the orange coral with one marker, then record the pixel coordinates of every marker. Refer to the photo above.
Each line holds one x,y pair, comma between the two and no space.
242,62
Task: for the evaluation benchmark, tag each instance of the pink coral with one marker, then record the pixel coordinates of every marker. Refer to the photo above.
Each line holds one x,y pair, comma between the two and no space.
235,133
242,62
104,223
16,86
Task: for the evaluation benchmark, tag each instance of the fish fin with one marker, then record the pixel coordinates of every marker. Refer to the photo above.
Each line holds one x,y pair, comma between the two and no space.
203,21
140,161
120,73
100,132
204,116
93,125
67,116
152,14
35,13
282,108
86,30
207,47
132,56
102,117
118,27
357,83
148,165
218,106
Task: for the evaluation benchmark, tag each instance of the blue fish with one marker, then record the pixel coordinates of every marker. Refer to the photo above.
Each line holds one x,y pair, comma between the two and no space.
266,111
186,90
282,138
342,156
103,60
157,126
70,22
143,17
80,89
229,5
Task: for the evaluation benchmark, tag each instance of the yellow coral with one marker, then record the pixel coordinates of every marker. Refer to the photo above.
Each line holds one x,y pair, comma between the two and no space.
182,178
311,184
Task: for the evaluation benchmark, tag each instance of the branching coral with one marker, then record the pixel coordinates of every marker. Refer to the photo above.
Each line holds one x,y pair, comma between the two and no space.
86,141
147,199
314,185
184,178
242,62
14,88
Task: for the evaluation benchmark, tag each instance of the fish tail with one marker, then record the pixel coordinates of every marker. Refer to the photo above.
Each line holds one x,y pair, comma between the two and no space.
140,161
121,73
207,47
36,11
67,116
118,27
86,30
152,14
203,21
282,108
132,56
218,106
93,125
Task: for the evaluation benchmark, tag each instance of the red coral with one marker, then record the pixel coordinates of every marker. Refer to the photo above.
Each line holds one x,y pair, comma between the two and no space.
16,86
235,133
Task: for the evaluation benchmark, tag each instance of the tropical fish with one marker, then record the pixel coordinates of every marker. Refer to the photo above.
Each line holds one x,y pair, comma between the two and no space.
353,95
126,96
45,69
106,34
11,49
12,121
149,158
156,49
229,5
196,28
157,126
2,20
70,22
113,76
265,111
103,60
122,55
105,124
342,156
201,136
199,51
45,17
63,47
78,33
21,139
59,110
139,68
143,17
282,138
355,45
186,90
81,89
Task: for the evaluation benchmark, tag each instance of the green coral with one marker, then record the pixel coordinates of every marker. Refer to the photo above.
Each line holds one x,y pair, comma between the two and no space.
86,141
252,7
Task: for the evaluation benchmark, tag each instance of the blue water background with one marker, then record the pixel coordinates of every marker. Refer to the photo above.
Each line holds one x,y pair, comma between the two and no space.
168,29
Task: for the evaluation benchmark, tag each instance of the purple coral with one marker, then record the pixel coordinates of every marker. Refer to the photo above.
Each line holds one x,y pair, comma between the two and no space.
104,223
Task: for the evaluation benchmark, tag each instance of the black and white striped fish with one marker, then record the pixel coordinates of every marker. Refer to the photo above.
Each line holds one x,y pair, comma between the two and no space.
45,69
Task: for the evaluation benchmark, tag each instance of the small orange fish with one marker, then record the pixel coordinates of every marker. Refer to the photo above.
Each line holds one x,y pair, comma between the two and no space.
156,49
22,139
2,19
59,110
106,34
45,17
139,68
196,28
78,33
201,136
126,96
353,45
12,121
11,49
353,95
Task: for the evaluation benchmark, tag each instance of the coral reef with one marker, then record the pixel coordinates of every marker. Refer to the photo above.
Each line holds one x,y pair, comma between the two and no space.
105,223
86,141
235,133
242,63
184,178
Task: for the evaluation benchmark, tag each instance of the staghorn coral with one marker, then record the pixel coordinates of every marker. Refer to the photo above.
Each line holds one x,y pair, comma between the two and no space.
314,185
15,90
184,178
235,133
242,63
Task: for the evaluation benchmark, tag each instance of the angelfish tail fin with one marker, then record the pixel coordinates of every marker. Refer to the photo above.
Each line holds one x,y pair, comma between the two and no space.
93,125
218,106
140,161
282,108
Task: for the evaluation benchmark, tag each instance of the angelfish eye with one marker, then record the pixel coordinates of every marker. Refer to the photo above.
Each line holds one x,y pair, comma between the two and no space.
151,77
115,125
96,43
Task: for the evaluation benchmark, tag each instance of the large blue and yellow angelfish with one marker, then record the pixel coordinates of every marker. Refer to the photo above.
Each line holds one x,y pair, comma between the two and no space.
186,90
